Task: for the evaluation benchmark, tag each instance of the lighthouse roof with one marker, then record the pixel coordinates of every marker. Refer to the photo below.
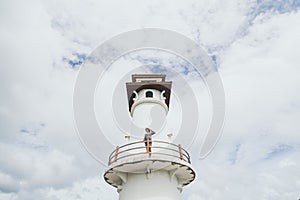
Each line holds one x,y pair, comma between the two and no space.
148,77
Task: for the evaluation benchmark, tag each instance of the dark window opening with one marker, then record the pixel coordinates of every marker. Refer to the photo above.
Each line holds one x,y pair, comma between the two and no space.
149,94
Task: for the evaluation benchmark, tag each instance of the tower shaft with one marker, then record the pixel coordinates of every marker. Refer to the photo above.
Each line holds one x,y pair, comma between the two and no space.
158,185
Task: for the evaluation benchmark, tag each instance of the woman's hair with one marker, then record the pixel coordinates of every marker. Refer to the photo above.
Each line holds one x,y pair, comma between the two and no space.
147,129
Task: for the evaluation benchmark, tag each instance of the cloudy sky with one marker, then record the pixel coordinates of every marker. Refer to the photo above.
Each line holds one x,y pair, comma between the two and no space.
254,45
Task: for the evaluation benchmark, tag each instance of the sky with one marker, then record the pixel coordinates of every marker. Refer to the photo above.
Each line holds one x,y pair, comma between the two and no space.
253,44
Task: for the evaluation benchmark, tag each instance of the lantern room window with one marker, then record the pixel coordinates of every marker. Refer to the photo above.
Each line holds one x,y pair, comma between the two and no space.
149,94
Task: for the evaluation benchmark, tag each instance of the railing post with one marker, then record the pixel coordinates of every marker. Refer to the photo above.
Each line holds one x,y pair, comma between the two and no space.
180,152
116,153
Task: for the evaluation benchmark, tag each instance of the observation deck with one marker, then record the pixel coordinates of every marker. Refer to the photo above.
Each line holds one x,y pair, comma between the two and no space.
139,158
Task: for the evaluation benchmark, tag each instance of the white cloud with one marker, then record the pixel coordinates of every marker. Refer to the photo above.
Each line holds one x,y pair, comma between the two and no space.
32,168
258,155
8,184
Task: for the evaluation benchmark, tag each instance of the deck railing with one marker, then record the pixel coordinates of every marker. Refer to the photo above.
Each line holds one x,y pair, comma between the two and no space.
155,147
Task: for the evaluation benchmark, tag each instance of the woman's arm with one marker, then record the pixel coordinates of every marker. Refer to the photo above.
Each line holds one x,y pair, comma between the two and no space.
152,132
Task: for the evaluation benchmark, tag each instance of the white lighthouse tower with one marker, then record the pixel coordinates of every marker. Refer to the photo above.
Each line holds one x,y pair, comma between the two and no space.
137,172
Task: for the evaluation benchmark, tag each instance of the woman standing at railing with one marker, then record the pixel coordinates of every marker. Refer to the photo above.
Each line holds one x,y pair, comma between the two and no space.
148,139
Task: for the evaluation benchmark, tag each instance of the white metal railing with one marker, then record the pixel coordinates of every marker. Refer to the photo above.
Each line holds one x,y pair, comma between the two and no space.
148,147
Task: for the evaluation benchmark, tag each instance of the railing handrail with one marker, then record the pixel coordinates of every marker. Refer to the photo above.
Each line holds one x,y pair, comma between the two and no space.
182,153
142,141
125,146
154,147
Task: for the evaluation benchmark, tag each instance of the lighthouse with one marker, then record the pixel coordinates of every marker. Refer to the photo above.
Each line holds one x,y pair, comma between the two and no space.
147,168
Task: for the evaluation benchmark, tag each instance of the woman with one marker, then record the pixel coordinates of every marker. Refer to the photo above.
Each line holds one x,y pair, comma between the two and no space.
148,136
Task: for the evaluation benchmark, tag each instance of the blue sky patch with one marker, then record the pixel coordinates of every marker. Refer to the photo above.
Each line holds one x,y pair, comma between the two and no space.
77,61
279,150
280,6
233,155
